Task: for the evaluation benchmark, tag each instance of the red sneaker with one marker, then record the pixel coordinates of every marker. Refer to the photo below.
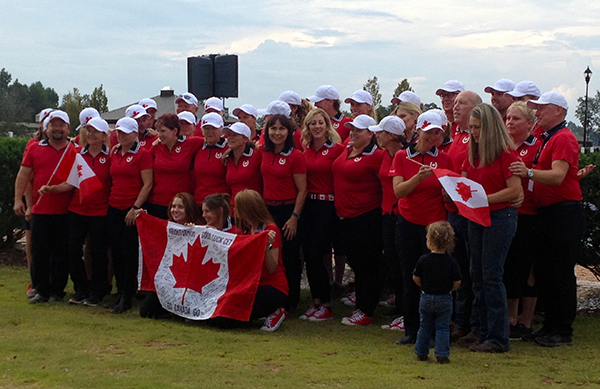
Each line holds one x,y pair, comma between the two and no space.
350,300
274,320
389,302
397,324
324,313
358,318
310,313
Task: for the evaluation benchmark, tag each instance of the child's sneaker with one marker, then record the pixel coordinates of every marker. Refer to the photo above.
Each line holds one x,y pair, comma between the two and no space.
310,313
274,320
350,300
358,318
324,313
396,325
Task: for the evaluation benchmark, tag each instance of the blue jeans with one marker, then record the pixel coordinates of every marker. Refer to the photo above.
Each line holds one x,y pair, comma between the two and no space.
435,311
488,247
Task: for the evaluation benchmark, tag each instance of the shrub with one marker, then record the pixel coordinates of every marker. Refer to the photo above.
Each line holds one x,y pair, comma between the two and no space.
11,153
590,188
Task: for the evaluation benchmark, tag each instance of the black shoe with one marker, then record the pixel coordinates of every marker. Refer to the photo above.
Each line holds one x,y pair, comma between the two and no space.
124,305
443,360
55,298
555,340
519,331
92,301
531,336
77,298
407,340
37,299
422,358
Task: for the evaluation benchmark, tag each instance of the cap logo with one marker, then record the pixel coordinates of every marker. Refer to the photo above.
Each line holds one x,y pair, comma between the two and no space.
465,140
433,165
218,155
178,149
325,152
145,105
130,158
118,127
425,124
102,160
245,163
204,122
135,113
282,161
87,119
523,152
357,159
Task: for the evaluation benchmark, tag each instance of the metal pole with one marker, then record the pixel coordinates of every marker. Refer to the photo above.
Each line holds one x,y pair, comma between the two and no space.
588,74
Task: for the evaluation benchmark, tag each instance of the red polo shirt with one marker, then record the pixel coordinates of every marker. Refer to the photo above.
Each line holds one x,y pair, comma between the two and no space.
172,169
492,177
526,152
387,185
561,146
277,279
209,171
146,140
298,139
43,159
319,175
125,172
356,182
246,175
459,149
95,204
278,173
425,204
338,122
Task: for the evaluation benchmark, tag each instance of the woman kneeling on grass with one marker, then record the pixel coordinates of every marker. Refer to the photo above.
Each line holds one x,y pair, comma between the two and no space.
251,217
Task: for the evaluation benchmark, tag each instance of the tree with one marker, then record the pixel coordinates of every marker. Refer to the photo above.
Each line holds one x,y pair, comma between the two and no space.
403,86
72,104
97,99
593,116
428,106
42,97
372,86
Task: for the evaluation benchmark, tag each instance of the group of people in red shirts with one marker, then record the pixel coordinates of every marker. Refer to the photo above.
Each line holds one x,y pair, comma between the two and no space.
352,186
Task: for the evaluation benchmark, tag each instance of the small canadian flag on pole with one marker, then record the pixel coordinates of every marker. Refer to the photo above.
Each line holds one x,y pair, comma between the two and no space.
74,170
468,195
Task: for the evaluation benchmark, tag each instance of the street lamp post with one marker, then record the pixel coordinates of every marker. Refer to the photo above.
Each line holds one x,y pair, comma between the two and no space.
588,75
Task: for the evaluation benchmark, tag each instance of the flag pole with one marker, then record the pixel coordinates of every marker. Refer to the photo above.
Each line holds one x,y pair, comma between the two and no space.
55,169
417,162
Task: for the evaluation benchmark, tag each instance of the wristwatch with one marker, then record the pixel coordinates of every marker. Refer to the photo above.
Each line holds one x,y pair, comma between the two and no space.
529,173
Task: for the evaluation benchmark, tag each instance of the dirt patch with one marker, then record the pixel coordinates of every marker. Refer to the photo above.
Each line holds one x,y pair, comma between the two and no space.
584,274
13,257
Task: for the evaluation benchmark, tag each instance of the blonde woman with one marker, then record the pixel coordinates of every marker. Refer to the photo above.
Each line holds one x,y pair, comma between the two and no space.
409,113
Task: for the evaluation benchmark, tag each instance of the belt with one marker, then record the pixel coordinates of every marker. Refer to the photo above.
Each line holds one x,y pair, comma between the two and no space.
280,202
321,196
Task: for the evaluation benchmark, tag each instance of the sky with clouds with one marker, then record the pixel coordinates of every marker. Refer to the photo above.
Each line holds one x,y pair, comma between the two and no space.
136,48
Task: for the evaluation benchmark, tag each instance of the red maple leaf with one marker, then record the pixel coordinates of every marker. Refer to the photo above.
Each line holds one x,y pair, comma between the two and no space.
464,191
425,124
193,274
79,173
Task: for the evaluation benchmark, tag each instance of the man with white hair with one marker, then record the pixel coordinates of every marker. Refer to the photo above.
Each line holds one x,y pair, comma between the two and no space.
556,190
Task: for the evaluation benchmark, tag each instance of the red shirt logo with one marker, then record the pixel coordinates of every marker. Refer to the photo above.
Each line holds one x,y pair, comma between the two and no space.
102,160
130,158
282,161
178,149
433,165
218,155
143,143
245,163
523,152
357,159
465,139
335,125
325,152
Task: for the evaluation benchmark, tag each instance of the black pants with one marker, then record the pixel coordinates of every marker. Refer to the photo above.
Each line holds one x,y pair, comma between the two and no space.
290,253
520,257
124,247
318,227
268,299
392,270
97,227
159,211
411,242
561,228
465,316
49,254
361,236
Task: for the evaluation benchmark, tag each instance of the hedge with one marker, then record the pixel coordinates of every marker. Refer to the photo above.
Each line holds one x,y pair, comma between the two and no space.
590,188
11,153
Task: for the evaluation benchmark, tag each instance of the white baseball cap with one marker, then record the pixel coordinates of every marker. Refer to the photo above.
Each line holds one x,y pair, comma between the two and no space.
525,88
126,125
188,98
451,86
290,97
277,107
249,109
212,119
442,115
360,96
59,114
238,128
44,113
391,124
45,123
502,85
213,103
135,111
148,103
554,98
429,120
361,122
99,124
188,117
408,97
325,92
86,115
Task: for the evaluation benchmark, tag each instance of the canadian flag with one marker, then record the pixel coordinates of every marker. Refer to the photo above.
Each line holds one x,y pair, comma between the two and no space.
199,272
73,169
468,195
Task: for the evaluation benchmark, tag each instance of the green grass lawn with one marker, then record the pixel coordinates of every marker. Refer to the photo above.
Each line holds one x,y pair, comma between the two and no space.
58,345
